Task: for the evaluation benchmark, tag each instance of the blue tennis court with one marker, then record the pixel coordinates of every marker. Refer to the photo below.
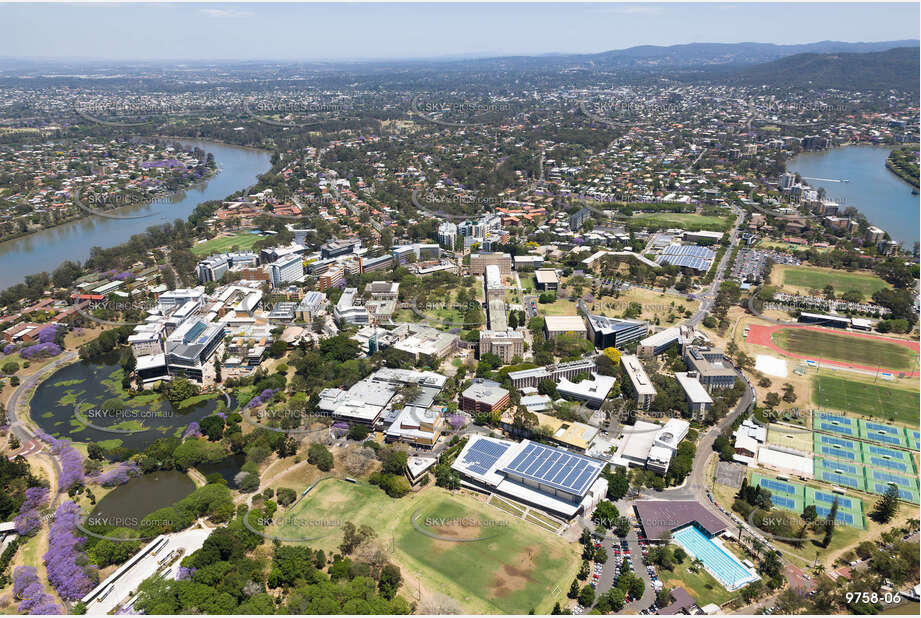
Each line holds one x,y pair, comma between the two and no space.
838,466
833,451
775,485
887,477
889,463
787,503
837,428
840,479
840,517
904,494
842,442
843,502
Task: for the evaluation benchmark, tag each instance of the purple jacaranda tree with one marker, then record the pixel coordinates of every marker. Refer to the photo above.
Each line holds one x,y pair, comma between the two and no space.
456,421
70,460
65,556
40,350
48,334
339,429
120,474
10,348
28,590
192,431
28,519
262,398
184,573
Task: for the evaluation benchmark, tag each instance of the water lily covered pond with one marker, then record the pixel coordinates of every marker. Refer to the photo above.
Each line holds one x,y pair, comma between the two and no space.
85,402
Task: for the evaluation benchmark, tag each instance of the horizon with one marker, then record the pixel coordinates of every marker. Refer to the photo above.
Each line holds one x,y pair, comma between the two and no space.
287,33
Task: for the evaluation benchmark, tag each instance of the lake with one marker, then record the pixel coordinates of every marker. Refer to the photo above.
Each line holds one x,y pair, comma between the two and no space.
45,250
883,198
103,416
142,496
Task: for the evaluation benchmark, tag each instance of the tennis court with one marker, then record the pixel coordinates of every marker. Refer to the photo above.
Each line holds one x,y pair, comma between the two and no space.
886,434
887,458
850,509
836,448
839,473
914,439
844,425
783,494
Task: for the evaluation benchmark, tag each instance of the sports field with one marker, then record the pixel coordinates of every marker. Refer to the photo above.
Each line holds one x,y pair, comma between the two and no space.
487,560
224,243
687,221
879,400
814,278
865,351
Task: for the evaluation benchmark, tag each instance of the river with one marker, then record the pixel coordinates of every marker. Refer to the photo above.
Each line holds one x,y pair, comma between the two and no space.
883,198
45,250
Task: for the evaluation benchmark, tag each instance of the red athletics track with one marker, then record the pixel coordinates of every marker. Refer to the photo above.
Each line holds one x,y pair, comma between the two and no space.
761,335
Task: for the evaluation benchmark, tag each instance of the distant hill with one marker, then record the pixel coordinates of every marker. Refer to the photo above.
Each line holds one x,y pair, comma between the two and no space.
895,68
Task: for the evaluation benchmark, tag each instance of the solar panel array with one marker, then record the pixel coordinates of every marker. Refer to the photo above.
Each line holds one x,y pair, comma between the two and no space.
555,467
687,257
482,455
690,251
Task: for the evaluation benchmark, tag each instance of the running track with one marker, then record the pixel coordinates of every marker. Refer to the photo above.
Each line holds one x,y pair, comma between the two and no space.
761,335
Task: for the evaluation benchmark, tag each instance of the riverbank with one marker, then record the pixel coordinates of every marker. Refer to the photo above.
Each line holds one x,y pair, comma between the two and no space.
238,168
899,163
877,193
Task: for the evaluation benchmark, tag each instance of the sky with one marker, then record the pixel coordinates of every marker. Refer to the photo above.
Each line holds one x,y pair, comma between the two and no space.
306,32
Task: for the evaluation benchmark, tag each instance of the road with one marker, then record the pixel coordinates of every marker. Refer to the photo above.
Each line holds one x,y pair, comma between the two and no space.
707,298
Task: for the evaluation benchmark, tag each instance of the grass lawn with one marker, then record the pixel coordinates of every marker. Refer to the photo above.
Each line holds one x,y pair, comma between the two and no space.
702,586
845,348
881,400
224,243
559,307
814,278
688,221
514,567
528,283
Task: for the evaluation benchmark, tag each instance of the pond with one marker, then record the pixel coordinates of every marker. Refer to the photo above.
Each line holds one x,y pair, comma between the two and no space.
227,468
128,504
84,402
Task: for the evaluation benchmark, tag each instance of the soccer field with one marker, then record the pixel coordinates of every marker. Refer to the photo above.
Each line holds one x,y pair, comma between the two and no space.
487,560
224,243
688,221
813,278
878,400
845,348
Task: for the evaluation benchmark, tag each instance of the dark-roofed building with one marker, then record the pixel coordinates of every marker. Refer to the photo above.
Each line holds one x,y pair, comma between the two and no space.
659,517
682,603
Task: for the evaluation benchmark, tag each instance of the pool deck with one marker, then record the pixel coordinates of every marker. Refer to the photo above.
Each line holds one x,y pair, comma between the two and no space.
752,576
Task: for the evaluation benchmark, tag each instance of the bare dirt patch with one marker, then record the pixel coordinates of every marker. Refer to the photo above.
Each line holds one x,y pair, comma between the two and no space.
512,578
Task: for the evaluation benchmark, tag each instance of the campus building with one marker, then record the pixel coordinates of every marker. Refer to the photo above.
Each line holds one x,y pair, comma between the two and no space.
484,396
711,366
697,396
286,269
479,262
614,333
551,479
555,325
531,377
643,390
505,344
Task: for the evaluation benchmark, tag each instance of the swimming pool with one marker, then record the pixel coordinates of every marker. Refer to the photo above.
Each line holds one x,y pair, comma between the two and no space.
725,567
